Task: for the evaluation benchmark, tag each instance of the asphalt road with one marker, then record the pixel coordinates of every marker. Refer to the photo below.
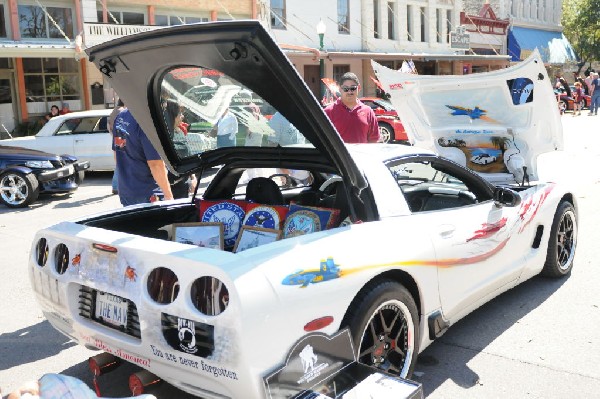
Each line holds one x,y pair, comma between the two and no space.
539,340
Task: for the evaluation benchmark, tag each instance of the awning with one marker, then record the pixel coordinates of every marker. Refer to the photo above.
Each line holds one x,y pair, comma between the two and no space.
33,50
553,46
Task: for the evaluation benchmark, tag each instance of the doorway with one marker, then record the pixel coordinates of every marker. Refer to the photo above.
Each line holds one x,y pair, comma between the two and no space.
313,80
7,105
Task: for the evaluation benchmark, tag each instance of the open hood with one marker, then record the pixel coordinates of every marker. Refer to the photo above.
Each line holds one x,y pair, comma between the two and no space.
495,123
231,84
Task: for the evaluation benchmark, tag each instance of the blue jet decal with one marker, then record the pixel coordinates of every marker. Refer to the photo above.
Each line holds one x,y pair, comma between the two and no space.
328,270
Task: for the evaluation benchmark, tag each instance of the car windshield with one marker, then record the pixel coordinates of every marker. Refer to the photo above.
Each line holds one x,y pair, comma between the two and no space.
204,109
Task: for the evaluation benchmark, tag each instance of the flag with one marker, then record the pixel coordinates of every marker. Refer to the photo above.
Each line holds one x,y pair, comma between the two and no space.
377,83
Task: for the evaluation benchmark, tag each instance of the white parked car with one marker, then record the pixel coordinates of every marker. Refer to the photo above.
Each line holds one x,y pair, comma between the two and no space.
397,243
82,134
483,159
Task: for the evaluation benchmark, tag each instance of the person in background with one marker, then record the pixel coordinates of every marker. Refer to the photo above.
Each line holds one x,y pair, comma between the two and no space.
284,133
58,386
254,135
54,111
227,129
110,123
595,93
578,99
181,186
142,173
354,121
65,108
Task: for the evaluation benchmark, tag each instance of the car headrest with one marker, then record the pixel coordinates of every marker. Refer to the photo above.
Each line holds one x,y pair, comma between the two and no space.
263,190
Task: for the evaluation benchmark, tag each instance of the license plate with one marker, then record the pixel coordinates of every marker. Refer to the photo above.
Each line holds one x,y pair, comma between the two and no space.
111,309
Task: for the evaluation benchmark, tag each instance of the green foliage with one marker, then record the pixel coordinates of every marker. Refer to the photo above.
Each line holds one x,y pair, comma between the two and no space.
581,21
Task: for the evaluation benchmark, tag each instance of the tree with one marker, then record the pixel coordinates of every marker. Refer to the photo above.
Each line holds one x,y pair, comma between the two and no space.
581,22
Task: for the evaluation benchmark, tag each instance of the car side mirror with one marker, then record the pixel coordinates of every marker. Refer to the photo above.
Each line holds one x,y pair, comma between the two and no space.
506,197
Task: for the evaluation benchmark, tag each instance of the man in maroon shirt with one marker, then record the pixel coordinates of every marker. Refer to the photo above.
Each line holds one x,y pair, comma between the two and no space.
354,121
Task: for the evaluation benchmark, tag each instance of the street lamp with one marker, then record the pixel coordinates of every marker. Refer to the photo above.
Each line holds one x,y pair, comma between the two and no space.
321,28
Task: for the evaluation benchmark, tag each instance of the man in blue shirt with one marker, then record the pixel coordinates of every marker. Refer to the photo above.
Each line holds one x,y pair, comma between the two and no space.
142,173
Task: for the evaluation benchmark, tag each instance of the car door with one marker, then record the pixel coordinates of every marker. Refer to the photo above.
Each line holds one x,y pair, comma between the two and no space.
471,235
91,140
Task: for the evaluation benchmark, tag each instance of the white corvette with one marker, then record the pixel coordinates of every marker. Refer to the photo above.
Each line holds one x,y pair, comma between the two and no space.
396,242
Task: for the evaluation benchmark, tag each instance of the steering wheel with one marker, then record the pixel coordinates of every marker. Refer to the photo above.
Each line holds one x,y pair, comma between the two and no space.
327,187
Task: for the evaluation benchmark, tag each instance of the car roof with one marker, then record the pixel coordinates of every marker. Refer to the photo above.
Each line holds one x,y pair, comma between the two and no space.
53,124
82,114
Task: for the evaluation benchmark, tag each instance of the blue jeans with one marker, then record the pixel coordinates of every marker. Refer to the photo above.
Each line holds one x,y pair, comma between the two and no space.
115,181
595,103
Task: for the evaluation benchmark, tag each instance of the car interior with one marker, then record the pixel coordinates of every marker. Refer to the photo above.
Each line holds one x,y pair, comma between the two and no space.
310,190
431,186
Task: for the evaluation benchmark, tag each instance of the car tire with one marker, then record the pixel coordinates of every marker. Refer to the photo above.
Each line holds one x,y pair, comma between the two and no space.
391,345
386,133
79,177
562,242
27,191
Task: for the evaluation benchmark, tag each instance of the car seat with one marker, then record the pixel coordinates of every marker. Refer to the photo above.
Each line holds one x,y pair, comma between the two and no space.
262,190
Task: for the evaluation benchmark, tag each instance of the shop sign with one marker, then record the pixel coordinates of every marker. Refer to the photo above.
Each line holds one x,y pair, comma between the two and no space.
460,40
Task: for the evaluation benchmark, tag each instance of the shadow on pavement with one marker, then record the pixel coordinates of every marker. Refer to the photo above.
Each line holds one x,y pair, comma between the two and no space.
447,358
31,344
86,201
115,384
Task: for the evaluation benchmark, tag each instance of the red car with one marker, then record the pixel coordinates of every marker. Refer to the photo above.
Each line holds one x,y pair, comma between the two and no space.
567,103
390,127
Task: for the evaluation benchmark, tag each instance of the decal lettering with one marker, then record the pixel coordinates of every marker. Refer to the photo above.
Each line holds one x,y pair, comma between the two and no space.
130,357
156,352
218,371
396,86
470,131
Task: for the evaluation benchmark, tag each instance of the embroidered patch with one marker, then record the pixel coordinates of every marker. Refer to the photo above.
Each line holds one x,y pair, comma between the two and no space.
301,222
268,217
228,213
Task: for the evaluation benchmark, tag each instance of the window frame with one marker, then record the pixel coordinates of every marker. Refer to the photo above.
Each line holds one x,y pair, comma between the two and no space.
343,28
392,11
46,96
171,16
48,25
281,12
4,22
120,11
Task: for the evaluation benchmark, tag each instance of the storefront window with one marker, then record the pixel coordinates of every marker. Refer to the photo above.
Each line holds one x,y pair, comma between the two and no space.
133,18
2,22
166,20
51,80
124,17
34,23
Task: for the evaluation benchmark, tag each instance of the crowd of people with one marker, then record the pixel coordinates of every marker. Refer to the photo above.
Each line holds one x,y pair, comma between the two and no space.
587,86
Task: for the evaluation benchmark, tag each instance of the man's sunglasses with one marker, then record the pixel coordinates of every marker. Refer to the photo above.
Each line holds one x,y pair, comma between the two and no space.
346,89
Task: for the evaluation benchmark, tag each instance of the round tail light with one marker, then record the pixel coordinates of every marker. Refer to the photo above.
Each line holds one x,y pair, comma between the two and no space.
210,296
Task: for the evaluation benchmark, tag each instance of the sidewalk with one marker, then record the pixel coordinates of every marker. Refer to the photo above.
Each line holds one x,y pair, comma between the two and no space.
581,135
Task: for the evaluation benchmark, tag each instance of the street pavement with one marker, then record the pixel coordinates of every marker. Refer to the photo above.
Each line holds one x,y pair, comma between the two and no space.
539,340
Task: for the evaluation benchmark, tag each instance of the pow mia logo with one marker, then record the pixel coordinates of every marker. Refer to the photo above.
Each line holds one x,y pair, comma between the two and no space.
262,216
231,215
186,331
